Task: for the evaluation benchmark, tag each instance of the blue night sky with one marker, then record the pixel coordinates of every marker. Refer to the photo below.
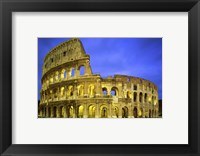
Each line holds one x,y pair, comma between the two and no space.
139,57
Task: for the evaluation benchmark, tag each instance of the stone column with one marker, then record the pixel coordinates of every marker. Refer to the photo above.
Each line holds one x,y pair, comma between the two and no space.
97,110
65,112
130,112
58,93
85,112
41,113
68,73
110,110
74,111
44,97
77,73
75,90
147,110
85,89
57,112
120,111
98,88
138,97
65,92
144,112
47,111
143,98
88,68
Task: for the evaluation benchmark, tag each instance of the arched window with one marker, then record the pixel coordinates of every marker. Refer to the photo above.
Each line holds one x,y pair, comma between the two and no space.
54,112
135,87
62,89
80,90
72,72
65,74
116,112
145,97
91,90
124,112
140,97
55,93
80,111
128,94
57,76
91,111
82,70
49,111
135,112
114,91
61,111
104,90
64,53
70,91
51,79
135,96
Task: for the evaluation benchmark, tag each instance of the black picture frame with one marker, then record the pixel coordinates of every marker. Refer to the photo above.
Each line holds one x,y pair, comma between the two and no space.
9,6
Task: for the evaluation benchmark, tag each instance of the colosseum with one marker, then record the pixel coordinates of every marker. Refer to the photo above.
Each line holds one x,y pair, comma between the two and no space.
68,93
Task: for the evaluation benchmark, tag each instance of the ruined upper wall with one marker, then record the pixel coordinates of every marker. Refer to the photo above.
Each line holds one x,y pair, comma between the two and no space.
131,79
68,51
72,49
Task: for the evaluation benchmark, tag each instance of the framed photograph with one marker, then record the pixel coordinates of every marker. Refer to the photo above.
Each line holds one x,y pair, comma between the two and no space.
99,77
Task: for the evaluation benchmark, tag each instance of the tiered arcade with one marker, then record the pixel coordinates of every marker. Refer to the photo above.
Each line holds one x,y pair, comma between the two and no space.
71,90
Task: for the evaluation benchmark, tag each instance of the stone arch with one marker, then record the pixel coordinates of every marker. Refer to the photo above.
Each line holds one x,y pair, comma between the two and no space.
56,76
49,111
70,91
135,112
91,90
104,111
116,111
91,111
140,97
44,112
135,96
80,109
62,92
155,100
140,113
135,87
47,82
51,79
63,74
80,90
61,111
70,111
72,72
81,70
50,95
124,112
114,91
128,94
150,114
145,97
65,53
105,91
54,111
149,99
55,92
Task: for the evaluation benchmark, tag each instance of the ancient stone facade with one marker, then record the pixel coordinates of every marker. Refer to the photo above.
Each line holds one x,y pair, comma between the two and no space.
66,93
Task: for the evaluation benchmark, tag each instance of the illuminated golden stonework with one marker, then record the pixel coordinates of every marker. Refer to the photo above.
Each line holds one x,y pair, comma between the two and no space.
67,94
